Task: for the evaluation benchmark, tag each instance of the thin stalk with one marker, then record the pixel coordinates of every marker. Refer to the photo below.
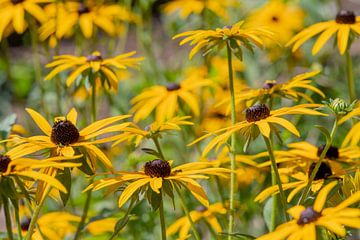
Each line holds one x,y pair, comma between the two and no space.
158,147
232,146
350,76
186,210
277,176
211,229
129,209
7,218
162,217
6,59
85,213
18,223
93,96
306,191
35,215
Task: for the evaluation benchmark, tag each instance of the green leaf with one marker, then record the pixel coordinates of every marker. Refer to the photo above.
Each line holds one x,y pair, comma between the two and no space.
151,152
64,176
6,125
236,49
325,132
168,190
153,198
86,164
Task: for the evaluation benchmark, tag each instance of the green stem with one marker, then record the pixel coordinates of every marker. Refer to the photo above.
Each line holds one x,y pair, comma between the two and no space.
6,59
186,210
35,215
158,147
233,145
7,218
18,223
125,218
85,213
350,76
162,218
306,191
277,176
92,79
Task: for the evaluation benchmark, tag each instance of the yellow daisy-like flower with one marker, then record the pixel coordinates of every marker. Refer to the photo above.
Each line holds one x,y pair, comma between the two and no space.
208,214
13,12
272,89
236,34
187,7
283,19
95,63
258,118
307,219
345,23
64,136
87,15
166,100
158,173
134,133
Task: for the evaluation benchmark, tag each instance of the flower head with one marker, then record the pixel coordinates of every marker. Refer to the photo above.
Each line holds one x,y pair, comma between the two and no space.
307,219
345,23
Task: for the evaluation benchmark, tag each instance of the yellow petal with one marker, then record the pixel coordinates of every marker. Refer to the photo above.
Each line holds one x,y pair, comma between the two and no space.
72,116
323,38
322,196
129,190
156,184
101,156
296,211
86,25
18,19
264,127
40,121
43,177
343,38
66,151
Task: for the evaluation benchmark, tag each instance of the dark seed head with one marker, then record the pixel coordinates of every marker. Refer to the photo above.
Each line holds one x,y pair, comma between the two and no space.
308,215
83,9
323,172
4,163
173,86
275,19
157,168
269,84
64,133
94,58
25,223
257,112
332,153
345,17
16,1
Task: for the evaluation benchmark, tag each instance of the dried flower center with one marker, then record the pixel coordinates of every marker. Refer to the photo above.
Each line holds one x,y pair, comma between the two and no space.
64,133
4,163
16,1
345,17
332,153
157,168
308,215
173,86
83,9
94,58
275,19
323,172
257,112
269,84
25,223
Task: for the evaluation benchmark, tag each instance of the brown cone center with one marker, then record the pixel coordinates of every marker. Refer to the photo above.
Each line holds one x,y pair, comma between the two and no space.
4,163
332,153
308,215
345,17
257,112
64,133
157,168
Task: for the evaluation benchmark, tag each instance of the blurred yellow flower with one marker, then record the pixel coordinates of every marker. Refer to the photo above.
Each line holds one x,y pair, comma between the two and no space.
307,219
352,137
187,7
208,214
13,12
94,63
345,23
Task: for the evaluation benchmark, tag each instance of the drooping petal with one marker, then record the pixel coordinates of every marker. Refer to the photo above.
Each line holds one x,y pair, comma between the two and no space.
129,190
40,121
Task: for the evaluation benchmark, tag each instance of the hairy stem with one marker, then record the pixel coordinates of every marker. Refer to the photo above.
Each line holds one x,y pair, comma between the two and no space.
7,218
162,217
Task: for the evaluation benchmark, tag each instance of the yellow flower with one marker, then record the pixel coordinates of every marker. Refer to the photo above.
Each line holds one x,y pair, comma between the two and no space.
101,226
157,174
187,7
134,133
208,214
352,137
95,63
306,220
345,23
236,34
258,118
283,19
165,100
13,12
272,89
64,136
63,18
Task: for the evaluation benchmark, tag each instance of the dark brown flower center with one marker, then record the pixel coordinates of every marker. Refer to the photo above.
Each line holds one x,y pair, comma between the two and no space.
257,112
157,168
332,153
94,58
25,223
228,27
308,215
83,9
275,19
64,133
201,208
323,172
173,86
269,84
16,1
4,163
345,17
